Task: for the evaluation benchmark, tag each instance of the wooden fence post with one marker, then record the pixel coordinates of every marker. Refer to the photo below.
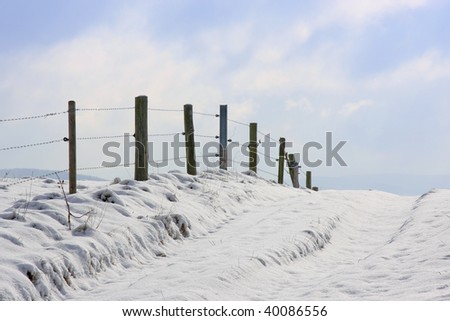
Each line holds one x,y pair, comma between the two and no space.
72,148
281,161
223,137
293,170
190,140
308,180
252,146
141,138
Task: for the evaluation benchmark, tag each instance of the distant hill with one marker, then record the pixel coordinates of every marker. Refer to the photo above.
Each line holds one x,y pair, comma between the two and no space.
394,183
32,172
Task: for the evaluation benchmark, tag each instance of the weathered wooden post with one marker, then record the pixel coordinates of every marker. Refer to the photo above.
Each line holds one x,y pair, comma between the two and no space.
308,179
293,170
72,148
141,138
281,161
190,140
253,146
223,137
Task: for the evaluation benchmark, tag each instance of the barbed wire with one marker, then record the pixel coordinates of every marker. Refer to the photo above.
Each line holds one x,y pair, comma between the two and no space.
268,135
29,179
32,117
163,135
104,109
100,137
286,169
301,171
238,122
121,136
33,145
276,160
258,131
207,136
205,114
124,135
165,110
104,167
267,156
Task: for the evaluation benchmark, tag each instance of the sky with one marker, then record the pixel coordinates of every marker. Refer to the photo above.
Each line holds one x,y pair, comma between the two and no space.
374,73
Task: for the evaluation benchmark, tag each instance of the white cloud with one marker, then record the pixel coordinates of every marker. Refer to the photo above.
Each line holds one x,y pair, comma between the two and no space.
302,104
108,68
428,68
245,65
306,73
302,32
228,39
325,113
105,67
352,107
241,110
365,11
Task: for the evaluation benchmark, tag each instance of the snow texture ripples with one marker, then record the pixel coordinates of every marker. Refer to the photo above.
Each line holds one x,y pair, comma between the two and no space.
221,236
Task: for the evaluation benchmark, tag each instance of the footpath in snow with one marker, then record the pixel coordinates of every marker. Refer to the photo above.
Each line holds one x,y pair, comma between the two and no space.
221,236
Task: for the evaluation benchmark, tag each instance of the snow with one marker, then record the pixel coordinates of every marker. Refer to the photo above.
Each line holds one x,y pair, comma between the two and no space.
220,236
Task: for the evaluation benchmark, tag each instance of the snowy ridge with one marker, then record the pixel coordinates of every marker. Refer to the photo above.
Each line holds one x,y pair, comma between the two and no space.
126,224
221,236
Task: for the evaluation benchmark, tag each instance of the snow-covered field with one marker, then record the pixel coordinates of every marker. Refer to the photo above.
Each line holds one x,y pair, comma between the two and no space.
220,236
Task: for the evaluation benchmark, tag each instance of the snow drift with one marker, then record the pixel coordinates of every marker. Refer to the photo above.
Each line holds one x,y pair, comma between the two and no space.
220,236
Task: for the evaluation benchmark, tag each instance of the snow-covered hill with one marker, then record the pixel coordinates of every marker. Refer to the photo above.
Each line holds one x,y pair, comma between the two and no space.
220,236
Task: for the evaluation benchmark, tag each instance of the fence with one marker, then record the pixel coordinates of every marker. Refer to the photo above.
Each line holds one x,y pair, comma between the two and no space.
141,136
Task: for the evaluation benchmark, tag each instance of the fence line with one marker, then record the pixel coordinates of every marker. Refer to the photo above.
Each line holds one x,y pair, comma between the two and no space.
238,122
100,137
268,135
25,180
247,125
29,179
165,110
205,114
32,117
163,135
206,136
124,135
149,135
33,145
104,109
104,167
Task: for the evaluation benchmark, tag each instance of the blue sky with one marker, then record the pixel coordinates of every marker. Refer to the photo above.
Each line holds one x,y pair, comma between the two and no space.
375,73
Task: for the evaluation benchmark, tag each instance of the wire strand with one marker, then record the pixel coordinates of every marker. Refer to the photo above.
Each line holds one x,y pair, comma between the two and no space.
104,167
32,145
162,135
238,122
205,114
165,110
268,135
32,117
268,156
100,137
26,180
104,109
206,136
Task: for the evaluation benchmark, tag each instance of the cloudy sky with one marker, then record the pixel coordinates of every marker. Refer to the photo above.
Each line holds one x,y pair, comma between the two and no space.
374,73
